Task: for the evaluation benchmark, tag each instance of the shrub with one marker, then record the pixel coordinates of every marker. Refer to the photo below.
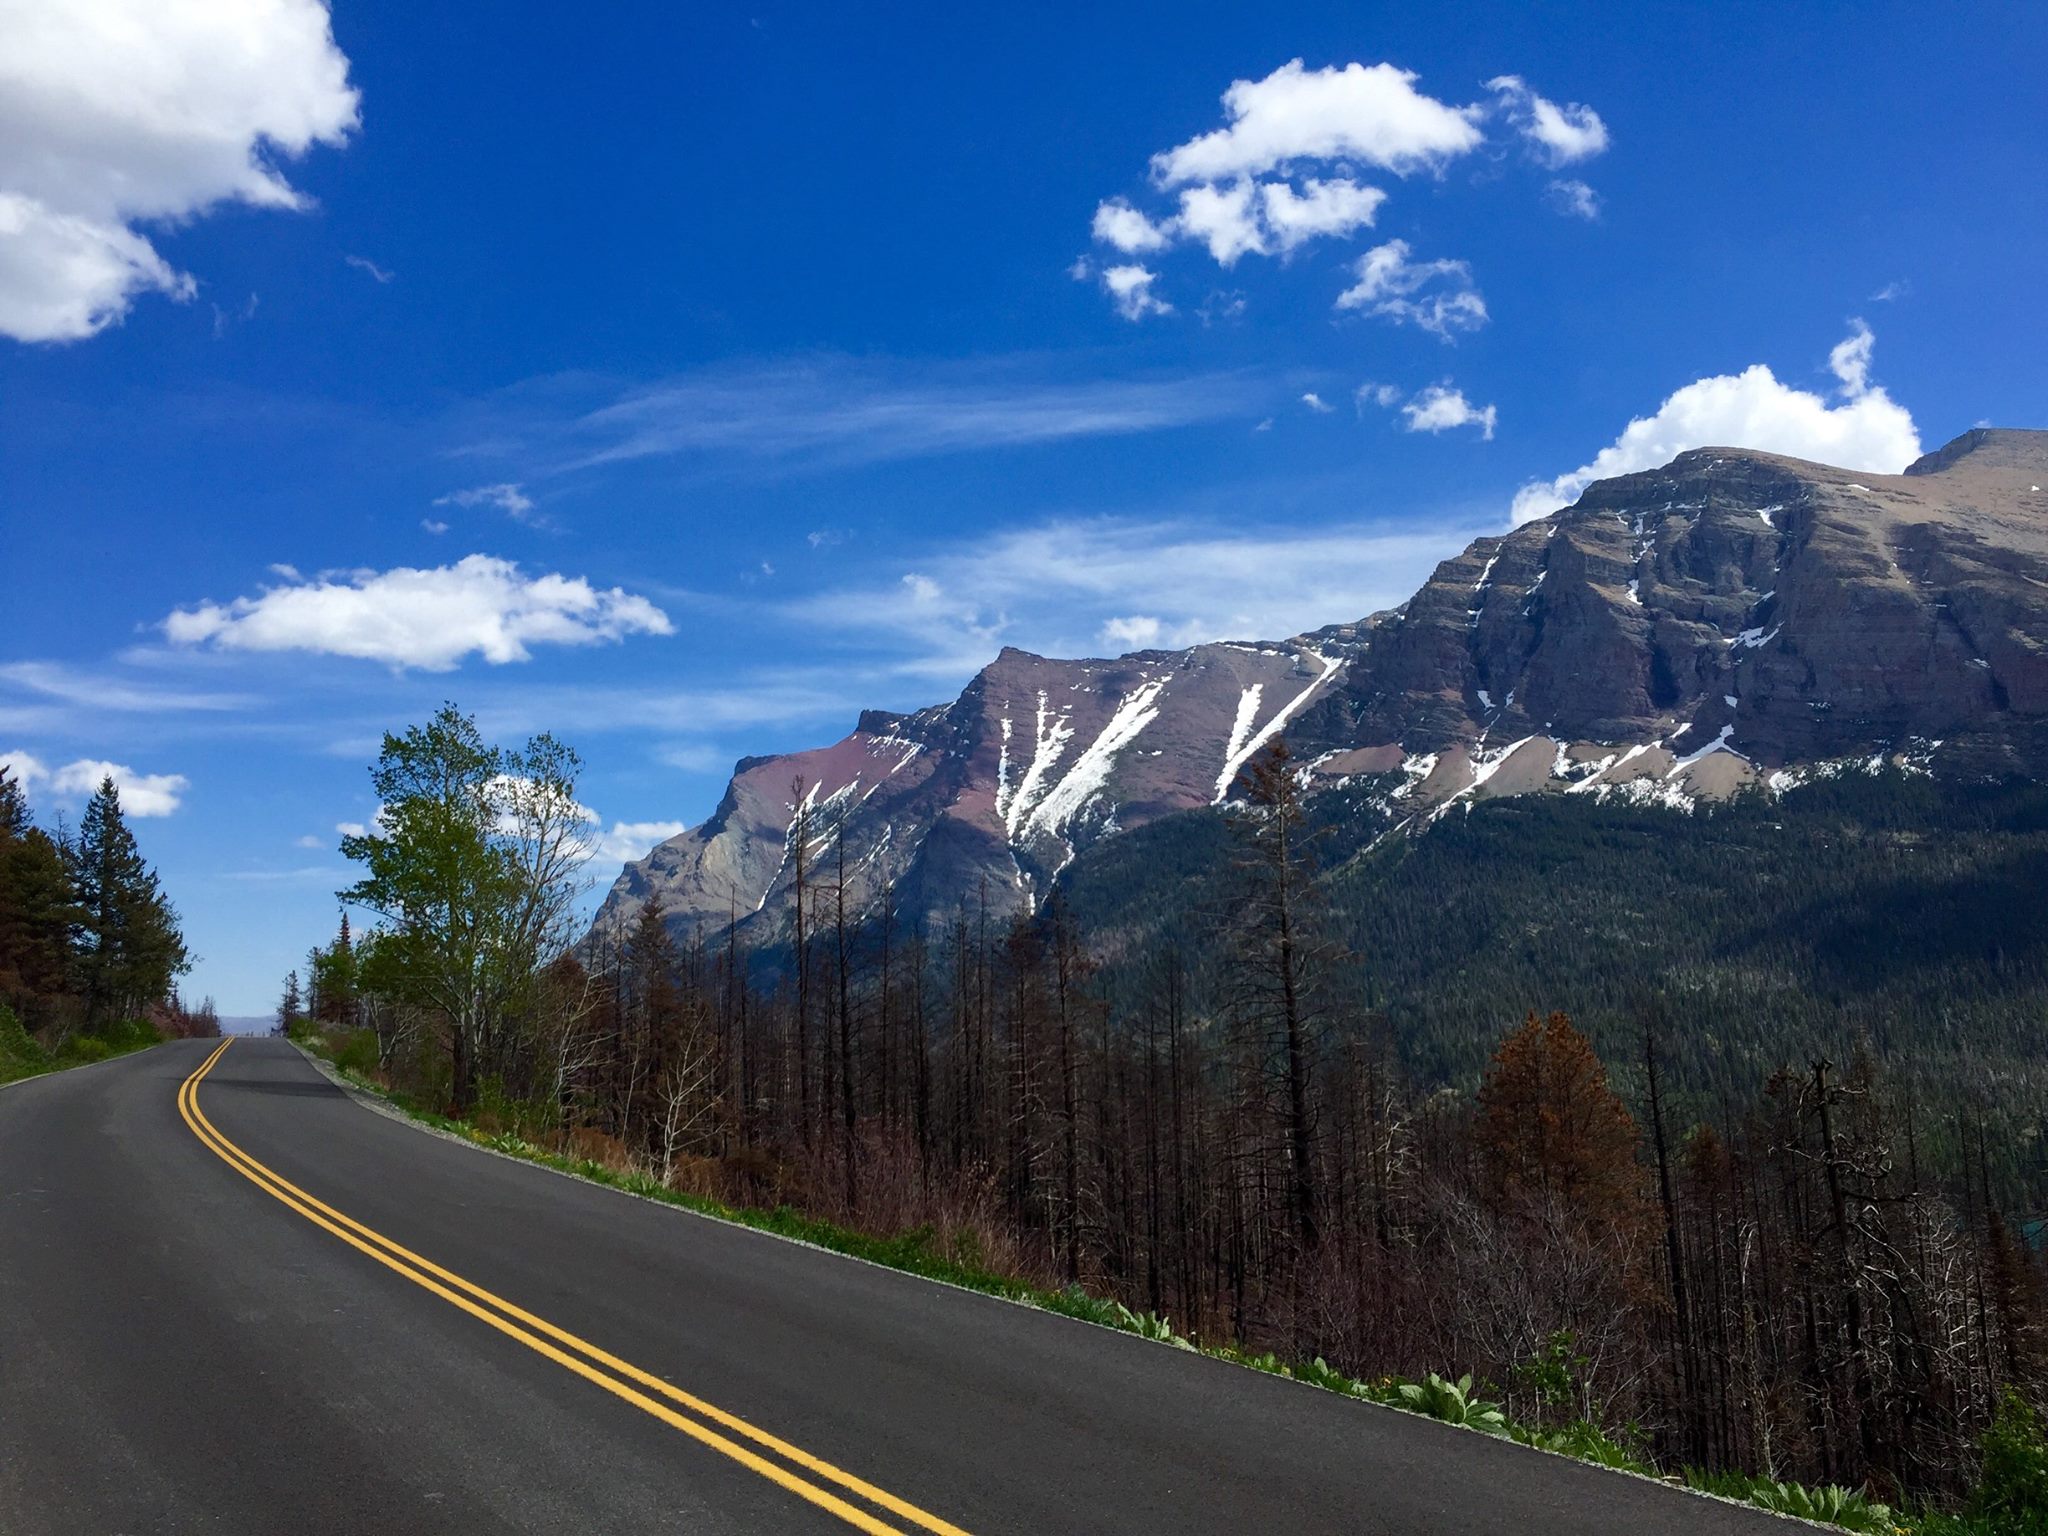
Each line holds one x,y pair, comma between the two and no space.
20,1055
357,1052
2012,1490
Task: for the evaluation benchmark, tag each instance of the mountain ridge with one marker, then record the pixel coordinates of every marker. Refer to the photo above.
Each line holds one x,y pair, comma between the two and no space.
1732,619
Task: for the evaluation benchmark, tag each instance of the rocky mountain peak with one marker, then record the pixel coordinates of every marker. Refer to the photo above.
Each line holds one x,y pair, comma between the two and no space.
1732,619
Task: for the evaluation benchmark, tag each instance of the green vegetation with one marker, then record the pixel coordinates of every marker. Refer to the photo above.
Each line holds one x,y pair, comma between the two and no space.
22,1055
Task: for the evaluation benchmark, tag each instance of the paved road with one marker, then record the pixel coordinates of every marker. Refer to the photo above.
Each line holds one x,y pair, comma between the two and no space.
194,1337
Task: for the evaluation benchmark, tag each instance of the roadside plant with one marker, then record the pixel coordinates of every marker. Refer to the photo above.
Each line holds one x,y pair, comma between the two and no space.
1451,1402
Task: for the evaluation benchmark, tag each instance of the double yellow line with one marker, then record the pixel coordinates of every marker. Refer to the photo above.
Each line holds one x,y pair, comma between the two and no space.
803,1474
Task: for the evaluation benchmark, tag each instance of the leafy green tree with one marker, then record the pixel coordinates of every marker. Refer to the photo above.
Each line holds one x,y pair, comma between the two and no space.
473,866
130,947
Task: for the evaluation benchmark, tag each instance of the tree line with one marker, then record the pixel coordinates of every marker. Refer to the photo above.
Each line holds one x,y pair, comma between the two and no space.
90,945
1814,1279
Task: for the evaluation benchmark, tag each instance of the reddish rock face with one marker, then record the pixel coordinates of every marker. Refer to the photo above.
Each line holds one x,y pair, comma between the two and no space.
1676,634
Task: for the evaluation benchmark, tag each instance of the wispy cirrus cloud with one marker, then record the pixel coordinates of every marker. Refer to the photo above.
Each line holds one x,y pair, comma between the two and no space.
103,689
1072,586
836,412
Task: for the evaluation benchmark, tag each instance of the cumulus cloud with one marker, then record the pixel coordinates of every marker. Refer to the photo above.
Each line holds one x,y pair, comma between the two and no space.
1574,198
1867,430
1283,169
1371,114
1385,396
431,619
114,112
1317,403
1436,296
1559,135
142,794
1130,289
507,498
1336,207
1442,408
1120,225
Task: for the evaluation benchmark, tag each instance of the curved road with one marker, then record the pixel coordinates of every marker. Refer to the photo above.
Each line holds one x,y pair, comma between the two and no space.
256,1306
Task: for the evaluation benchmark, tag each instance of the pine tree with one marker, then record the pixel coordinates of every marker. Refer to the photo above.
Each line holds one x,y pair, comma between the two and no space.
292,1006
37,912
130,948
1553,1135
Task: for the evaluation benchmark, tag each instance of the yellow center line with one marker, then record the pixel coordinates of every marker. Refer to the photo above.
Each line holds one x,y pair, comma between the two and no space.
447,1285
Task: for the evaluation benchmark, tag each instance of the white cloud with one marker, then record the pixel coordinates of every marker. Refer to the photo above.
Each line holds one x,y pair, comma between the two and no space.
1317,403
1574,198
1130,288
1441,408
1392,286
1283,171
1136,632
142,794
114,112
1561,135
921,588
1118,224
352,829
1752,409
1066,587
431,618
1243,218
1849,360
1336,208
1892,291
1385,396
508,497
1225,219
433,525
1369,114
629,840
365,265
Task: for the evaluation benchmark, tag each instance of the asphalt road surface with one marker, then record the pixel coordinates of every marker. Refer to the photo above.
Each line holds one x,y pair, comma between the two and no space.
250,1304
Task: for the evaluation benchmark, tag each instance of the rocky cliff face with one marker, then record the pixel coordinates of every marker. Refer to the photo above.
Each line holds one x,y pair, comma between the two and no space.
1732,619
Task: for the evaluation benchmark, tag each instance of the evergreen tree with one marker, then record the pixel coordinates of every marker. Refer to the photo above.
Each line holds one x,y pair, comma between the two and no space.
292,1006
130,949
1553,1135
36,909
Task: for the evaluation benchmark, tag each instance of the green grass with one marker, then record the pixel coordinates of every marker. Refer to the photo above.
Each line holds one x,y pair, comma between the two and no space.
22,1055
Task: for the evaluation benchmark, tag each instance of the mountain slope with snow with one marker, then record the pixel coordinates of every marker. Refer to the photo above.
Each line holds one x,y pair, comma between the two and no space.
1732,620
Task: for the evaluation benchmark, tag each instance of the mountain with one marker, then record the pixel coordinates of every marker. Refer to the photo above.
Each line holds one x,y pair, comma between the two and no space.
1732,620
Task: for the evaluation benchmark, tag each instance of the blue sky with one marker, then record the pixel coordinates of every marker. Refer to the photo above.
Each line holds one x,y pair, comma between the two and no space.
685,379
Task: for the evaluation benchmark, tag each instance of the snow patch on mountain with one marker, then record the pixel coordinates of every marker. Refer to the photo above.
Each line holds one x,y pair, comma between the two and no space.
1090,773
